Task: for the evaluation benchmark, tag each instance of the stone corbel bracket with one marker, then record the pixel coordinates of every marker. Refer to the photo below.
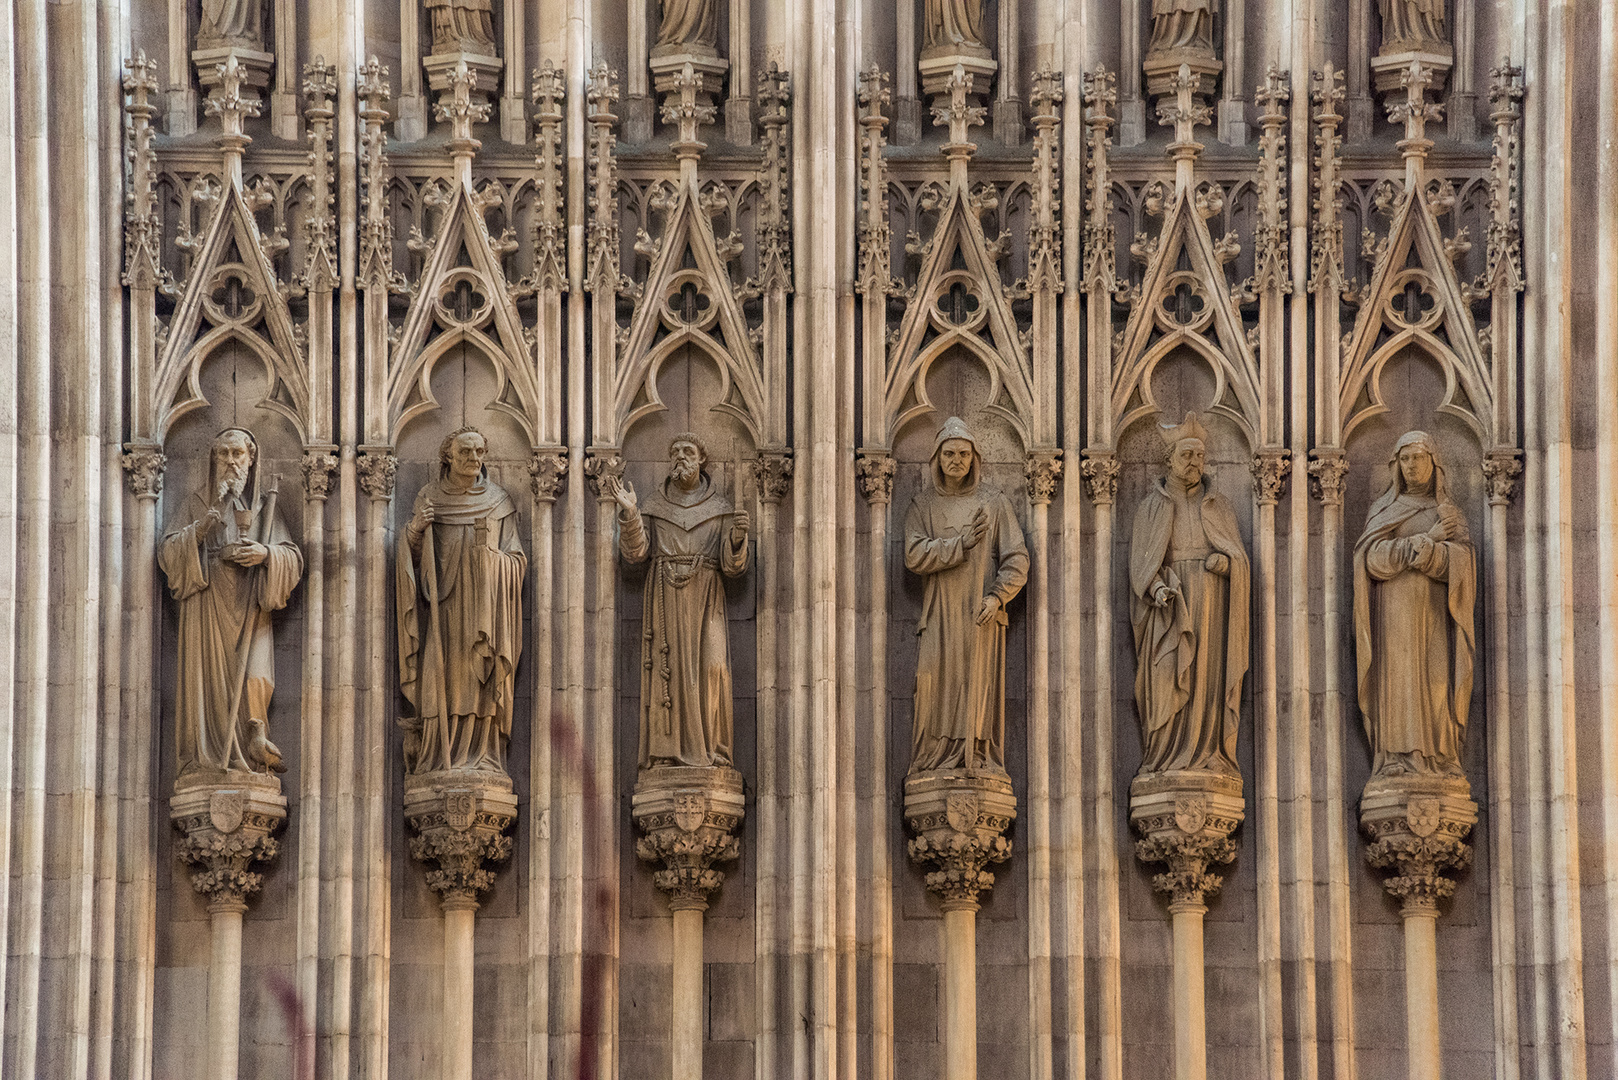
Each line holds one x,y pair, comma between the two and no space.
460,819
690,815
960,819
227,827
1417,827
1186,819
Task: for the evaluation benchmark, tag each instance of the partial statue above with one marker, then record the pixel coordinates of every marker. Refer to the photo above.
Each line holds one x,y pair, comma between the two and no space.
953,27
692,535
687,26
1183,25
230,562
1189,582
232,24
460,584
1414,587
1182,33
1413,26
963,537
462,26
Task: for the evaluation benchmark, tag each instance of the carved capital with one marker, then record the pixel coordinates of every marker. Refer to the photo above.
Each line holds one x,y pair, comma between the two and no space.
1501,468
1417,827
460,817
772,472
547,470
376,471
1327,474
690,816
318,467
227,826
1100,472
601,462
144,465
1185,819
960,819
1043,472
874,469
1270,468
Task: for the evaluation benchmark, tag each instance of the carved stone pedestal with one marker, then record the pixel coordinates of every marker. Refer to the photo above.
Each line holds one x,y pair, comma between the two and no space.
485,72
687,79
255,68
937,68
690,816
228,821
1417,827
1388,68
1185,819
460,817
1162,68
959,818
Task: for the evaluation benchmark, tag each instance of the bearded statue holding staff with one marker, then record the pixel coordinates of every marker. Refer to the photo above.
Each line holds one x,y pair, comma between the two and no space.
228,567
965,540
1415,583
460,581
695,538
1189,581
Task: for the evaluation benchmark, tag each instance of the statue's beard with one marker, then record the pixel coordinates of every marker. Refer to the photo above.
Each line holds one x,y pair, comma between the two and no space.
232,483
685,473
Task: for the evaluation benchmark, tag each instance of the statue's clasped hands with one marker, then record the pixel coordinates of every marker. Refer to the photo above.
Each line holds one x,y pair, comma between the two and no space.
1449,525
1217,562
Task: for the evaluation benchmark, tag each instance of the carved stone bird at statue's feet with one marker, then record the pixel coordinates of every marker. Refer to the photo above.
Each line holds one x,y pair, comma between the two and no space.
261,750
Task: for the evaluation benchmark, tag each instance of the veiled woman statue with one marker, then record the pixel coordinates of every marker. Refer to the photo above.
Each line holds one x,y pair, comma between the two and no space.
1189,582
1415,583
1412,24
965,540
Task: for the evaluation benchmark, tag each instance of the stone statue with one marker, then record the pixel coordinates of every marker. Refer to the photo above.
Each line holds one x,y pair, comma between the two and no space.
692,535
1412,26
953,26
229,565
1182,25
965,540
1189,582
460,584
227,23
687,26
465,26
1414,587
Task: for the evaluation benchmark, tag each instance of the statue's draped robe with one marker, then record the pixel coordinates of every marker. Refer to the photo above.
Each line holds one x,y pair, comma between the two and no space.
226,649
1412,23
688,22
685,682
1182,24
231,22
1191,653
1414,637
950,24
460,627
960,704
462,26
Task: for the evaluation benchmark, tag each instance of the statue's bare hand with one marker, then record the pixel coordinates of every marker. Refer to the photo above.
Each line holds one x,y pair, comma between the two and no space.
1217,562
248,553
424,517
988,609
740,522
623,493
976,529
1160,594
213,522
